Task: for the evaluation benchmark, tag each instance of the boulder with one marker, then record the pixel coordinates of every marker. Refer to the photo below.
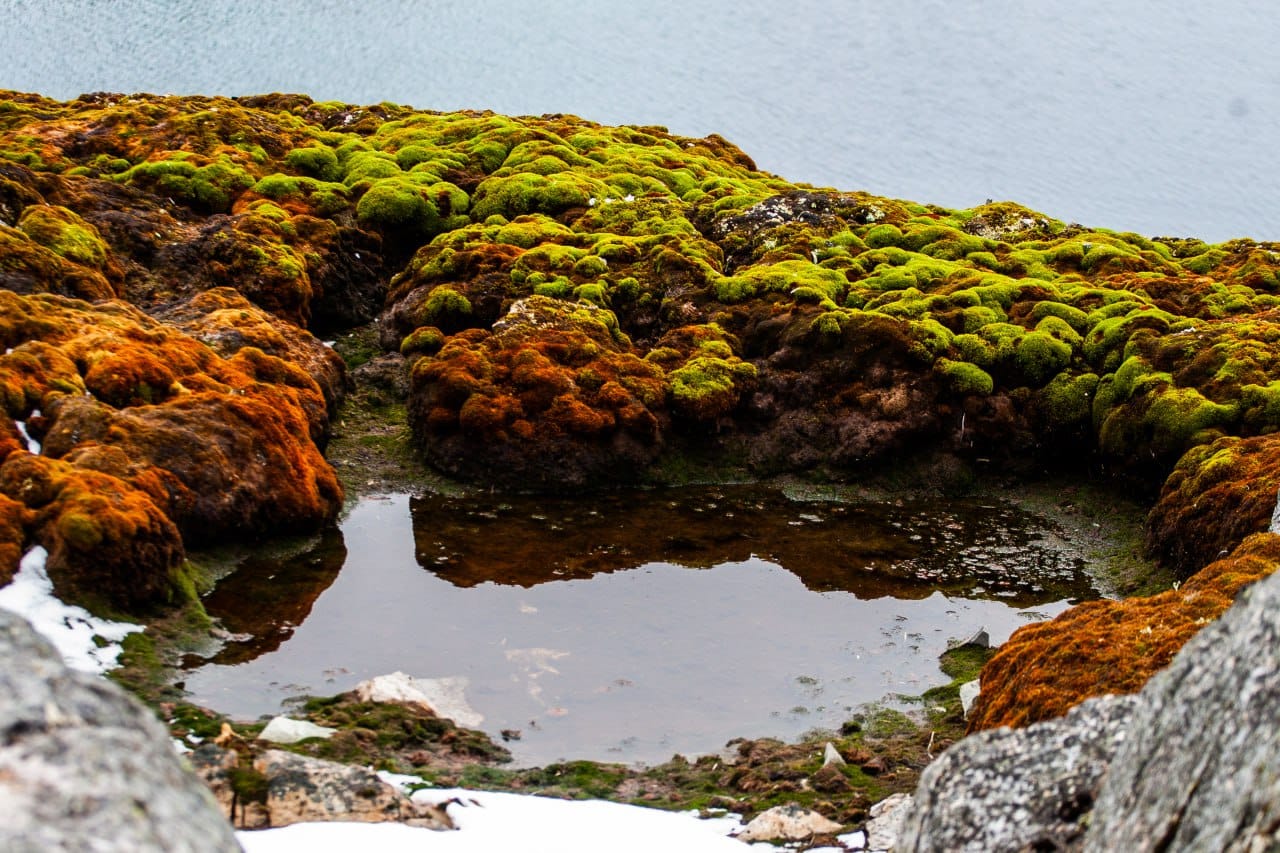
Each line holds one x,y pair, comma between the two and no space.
1190,763
84,766
1011,790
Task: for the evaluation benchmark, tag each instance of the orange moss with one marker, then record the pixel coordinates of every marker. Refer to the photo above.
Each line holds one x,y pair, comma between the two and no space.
15,518
219,444
1102,647
107,541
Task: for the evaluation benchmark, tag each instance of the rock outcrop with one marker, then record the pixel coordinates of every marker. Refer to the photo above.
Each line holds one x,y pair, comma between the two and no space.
1192,762
1102,647
576,305
83,766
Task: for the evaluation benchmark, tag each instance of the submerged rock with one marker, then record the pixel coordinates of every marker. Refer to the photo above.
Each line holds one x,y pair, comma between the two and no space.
83,766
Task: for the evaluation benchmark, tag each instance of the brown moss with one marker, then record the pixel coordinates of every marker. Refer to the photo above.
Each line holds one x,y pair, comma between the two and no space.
1216,495
15,518
108,543
1102,647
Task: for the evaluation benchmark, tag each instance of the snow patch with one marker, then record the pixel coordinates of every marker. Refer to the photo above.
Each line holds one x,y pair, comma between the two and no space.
490,821
33,446
73,631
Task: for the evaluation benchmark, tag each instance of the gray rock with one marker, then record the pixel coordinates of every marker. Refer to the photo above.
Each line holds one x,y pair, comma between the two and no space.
886,820
1010,790
1275,517
85,767
1190,763
1199,768
831,755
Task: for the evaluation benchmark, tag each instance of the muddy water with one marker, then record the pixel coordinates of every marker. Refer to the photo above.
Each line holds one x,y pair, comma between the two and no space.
633,626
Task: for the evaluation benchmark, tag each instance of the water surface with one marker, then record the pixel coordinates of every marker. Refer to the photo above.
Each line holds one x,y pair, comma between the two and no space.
1155,117
636,625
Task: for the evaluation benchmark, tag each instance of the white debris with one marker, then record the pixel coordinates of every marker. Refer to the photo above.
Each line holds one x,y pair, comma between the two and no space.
886,821
831,755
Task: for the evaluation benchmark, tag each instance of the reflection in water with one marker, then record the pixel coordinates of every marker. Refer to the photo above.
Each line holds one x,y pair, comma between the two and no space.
637,625
268,599
905,549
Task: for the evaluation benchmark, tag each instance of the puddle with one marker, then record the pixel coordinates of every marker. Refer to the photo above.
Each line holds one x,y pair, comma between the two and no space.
632,626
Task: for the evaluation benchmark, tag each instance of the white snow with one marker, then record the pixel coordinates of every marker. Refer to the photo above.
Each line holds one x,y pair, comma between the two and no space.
33,446
69,628
489,821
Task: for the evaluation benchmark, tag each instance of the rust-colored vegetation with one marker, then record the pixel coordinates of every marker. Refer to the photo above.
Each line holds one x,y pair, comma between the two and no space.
577,305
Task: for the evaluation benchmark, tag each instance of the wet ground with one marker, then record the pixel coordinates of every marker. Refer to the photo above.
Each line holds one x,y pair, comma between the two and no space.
634,625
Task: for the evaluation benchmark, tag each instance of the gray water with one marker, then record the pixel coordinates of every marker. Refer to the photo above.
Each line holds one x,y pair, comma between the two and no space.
1155,117
634,625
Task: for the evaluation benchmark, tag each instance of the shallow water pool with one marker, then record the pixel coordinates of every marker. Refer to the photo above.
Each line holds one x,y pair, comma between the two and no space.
634,625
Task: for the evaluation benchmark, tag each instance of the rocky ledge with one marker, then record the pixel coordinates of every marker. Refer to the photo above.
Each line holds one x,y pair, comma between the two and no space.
559,305
1192,762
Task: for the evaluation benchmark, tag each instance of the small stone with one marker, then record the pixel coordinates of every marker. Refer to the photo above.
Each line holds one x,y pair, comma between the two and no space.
831,755
968,695
286,730
979,639
789,822
886,821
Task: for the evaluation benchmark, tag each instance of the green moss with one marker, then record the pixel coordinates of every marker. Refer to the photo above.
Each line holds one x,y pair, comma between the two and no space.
1061,330
425,339
316,161
975,350
79,531
879,236
445,307
1068,400
1040,356
399,205
961,377
1074,317
707,386
212,186
64,233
